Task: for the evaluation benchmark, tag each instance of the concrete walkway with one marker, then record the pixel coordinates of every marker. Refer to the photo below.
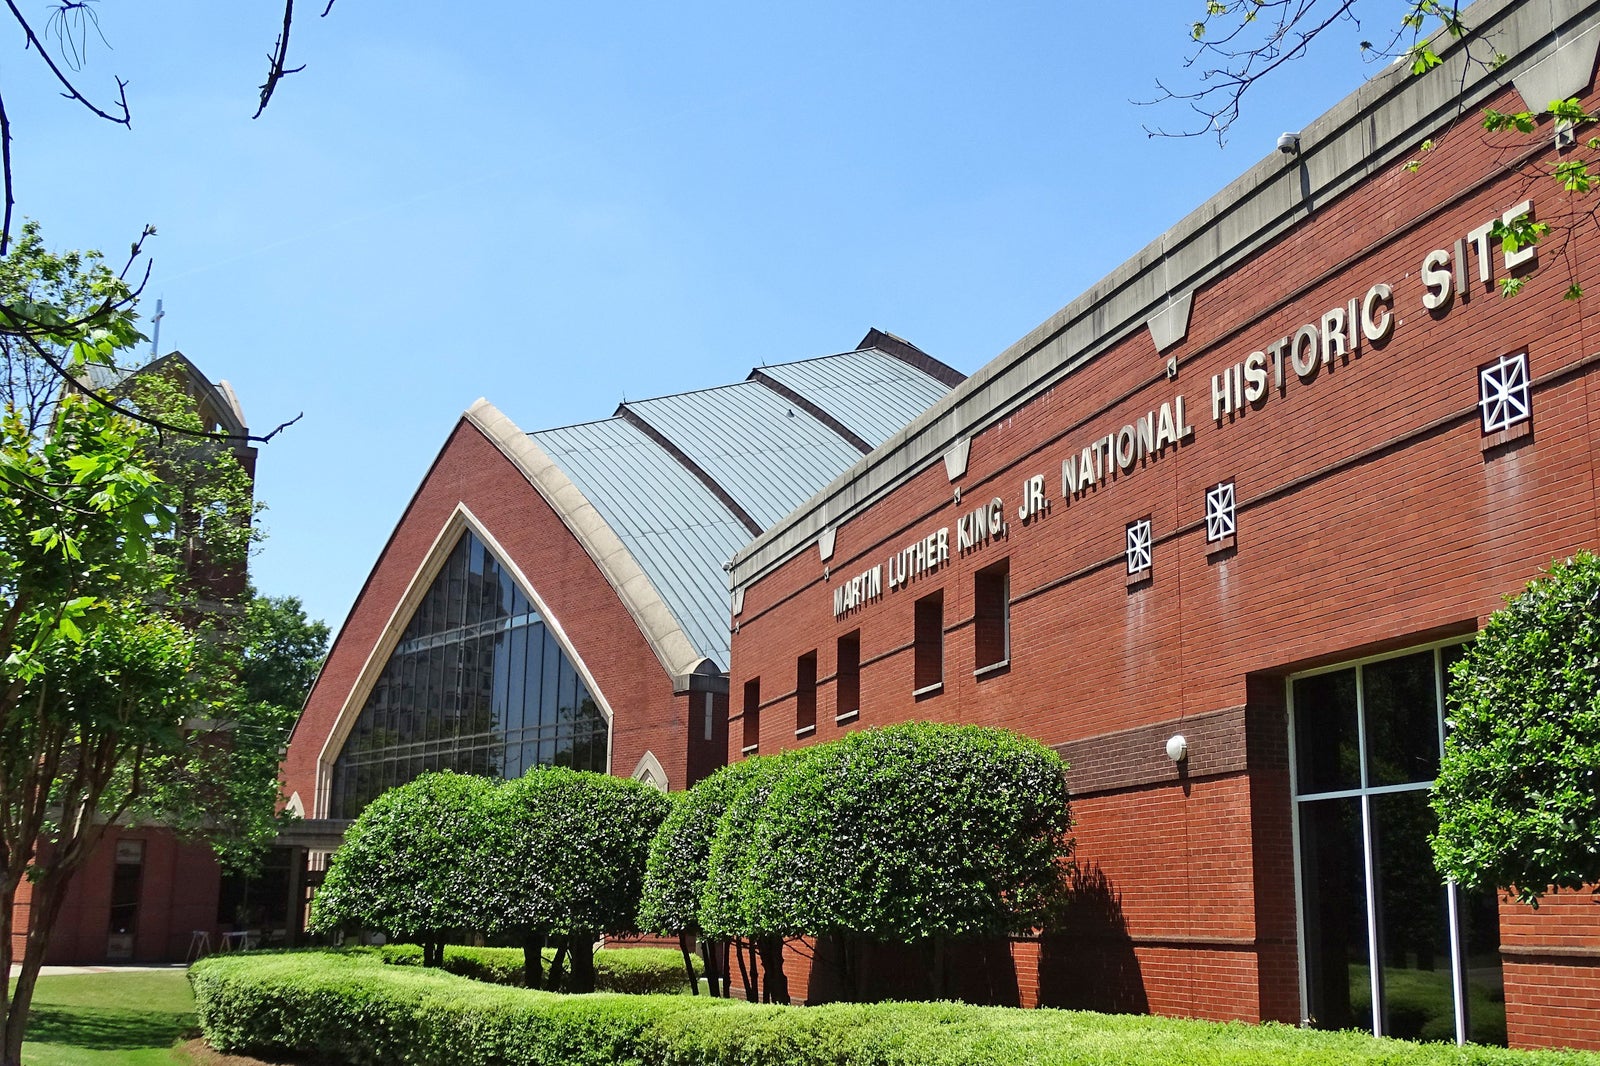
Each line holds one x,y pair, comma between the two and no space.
56,971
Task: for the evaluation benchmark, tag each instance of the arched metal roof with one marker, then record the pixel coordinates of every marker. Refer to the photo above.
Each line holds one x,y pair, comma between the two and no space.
684,481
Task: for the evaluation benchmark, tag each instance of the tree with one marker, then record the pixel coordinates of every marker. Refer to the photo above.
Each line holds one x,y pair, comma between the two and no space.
679,865
571,848
1518,795
415,864
94,683
281,649
725,911
118,691
919,834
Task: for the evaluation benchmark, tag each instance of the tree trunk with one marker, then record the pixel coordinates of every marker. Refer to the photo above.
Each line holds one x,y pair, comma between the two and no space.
777,982
843,970
49,893
533,958
715,954
582,952
748,976
554,981
688,961
937,969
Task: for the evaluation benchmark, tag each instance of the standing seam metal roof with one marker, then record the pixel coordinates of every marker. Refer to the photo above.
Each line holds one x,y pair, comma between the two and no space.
868,391
742,442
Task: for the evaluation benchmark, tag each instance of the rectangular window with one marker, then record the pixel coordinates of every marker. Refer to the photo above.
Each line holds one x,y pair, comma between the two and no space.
847,679
805,694
752,716
125,880
991,617
1386,945
929,645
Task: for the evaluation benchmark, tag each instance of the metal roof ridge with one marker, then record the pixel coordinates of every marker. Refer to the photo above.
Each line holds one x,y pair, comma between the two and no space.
660,625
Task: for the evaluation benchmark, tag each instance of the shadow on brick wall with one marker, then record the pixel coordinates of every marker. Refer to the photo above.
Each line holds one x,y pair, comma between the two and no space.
1086,959
977,970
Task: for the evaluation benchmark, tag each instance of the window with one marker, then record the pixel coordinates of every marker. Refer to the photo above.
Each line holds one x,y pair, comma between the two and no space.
929,645
1139,549
752,716
1378,925
991,617
1504,399
126,877
847,678
1221,520
805,694
477,684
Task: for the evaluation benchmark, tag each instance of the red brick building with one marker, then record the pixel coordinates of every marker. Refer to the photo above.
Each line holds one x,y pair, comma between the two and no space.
560,596
1215,530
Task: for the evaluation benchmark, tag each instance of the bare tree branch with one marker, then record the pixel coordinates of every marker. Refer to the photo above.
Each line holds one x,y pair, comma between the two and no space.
278,58
1240,42
70,91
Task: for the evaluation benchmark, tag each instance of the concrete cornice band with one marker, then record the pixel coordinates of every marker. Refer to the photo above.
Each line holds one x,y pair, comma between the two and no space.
622,571
1378,125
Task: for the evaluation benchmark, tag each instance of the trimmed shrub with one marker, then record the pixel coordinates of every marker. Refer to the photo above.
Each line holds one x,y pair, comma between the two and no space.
1518,795
912,832
352,1009
724,905
570,850
413,864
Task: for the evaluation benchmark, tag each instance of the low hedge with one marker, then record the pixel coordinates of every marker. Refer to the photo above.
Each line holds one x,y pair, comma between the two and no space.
636,971
340,1008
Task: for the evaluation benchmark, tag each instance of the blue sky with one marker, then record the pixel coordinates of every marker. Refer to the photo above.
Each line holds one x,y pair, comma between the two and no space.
556,206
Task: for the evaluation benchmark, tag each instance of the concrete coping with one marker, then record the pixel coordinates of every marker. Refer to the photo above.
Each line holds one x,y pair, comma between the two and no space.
1379,124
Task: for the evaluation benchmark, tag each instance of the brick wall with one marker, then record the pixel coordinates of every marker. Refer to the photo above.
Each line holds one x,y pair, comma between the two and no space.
178,888
1552,970
1370,517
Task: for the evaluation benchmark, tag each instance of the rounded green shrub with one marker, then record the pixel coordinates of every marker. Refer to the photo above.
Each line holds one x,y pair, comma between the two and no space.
414,864
911,832
680,854
1518,795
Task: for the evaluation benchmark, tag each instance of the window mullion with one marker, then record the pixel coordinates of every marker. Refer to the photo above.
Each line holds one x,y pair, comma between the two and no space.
1374,968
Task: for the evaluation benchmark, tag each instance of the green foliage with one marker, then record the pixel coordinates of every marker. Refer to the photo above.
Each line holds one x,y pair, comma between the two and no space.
680,854
910,832
725,899
59,300
1518,795
570,848
281,651
331,1008
634,971
415,864
904,833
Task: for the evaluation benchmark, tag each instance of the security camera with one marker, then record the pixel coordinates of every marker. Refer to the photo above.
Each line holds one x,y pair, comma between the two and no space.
1288,143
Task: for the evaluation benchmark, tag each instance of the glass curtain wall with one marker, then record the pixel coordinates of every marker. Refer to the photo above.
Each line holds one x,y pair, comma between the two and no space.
1379,925
477,685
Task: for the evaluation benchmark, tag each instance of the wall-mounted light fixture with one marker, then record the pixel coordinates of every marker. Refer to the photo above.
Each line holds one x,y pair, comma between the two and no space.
1178,748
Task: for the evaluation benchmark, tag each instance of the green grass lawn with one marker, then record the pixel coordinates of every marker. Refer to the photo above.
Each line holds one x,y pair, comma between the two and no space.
109,1019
